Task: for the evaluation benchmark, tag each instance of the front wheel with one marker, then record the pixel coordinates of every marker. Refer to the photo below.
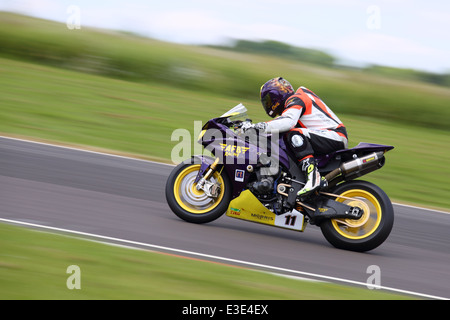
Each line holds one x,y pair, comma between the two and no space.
194,205
374,226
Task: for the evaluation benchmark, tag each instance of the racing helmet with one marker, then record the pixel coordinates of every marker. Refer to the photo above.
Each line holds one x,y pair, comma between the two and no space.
273,95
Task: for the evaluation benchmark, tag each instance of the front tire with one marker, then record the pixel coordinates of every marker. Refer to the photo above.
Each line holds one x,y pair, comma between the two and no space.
372,229
193,205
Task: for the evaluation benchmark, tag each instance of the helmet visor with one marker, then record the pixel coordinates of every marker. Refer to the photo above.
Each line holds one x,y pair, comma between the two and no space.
271,103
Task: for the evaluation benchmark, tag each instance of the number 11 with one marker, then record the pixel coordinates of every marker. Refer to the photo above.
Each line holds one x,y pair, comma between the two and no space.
290,220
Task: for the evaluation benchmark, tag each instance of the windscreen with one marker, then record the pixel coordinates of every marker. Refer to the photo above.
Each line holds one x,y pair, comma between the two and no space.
238,112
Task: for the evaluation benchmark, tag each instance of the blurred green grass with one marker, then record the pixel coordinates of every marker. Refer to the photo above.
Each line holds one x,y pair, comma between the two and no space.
33,266
113,115
222,72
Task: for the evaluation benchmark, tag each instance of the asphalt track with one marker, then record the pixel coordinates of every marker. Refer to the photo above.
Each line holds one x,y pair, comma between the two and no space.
123,198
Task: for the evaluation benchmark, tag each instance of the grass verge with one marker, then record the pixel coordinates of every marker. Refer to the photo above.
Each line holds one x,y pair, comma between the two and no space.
33,265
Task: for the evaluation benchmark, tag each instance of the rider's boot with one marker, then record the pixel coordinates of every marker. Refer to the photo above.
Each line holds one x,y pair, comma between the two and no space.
313,178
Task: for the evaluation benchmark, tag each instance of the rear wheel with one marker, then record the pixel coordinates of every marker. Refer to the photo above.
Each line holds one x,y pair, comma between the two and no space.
194,205
374,226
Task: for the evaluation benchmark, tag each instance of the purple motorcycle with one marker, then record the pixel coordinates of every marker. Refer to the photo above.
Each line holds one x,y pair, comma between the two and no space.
254,177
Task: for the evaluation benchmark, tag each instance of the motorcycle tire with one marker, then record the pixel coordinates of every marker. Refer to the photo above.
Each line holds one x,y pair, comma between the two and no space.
372,229
194,205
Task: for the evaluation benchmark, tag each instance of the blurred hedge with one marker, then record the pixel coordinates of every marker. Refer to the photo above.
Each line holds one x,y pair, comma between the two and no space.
240,75
282,50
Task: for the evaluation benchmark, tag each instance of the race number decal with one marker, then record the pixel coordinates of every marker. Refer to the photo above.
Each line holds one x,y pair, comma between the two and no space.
290,220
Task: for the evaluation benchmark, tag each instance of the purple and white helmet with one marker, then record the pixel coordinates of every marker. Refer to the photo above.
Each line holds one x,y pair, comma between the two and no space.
273,95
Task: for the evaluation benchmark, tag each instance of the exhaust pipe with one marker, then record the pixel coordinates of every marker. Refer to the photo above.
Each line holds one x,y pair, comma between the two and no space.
360,166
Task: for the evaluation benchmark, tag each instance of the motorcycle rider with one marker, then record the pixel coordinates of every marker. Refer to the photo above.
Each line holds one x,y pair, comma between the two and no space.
309,125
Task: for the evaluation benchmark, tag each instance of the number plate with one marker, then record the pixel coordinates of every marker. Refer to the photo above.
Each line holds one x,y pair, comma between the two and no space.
290,220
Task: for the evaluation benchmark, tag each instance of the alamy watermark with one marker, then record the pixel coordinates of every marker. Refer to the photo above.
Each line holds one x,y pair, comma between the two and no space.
74,19
231,147
374,280
74,280
373,21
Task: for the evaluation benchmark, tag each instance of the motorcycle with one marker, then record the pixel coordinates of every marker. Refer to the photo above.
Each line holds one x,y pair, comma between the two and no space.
254,177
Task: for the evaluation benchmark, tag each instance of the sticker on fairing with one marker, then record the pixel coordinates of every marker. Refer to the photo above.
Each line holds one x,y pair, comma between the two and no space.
290,220
239,175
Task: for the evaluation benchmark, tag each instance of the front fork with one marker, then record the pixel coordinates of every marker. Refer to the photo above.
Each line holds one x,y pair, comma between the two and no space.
211,189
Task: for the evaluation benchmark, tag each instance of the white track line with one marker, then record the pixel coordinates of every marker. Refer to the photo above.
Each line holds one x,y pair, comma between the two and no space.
241,262
85,150
162,163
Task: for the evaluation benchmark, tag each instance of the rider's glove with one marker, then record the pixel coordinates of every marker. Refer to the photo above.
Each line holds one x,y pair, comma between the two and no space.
261,126
247,125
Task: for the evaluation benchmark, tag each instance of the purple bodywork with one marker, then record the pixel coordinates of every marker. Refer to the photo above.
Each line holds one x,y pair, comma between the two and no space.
238,154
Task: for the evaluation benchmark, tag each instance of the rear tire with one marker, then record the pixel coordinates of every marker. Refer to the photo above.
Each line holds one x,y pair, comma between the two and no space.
193,205
372,229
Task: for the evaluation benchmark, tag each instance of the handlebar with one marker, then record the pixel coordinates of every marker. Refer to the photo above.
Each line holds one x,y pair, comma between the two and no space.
239,123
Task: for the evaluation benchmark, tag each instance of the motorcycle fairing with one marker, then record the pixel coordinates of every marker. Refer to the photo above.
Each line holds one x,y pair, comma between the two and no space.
248,207
237,174
204,162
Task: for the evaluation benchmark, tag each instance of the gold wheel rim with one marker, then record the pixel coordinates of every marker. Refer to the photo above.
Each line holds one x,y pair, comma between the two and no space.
193,200
367,224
